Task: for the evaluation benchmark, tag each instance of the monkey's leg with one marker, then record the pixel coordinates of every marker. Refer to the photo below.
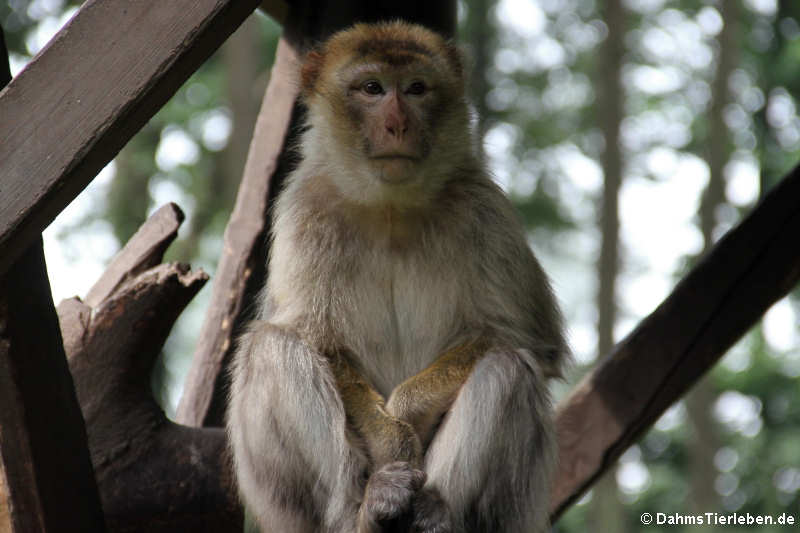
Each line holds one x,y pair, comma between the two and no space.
421,400
492,458
297,469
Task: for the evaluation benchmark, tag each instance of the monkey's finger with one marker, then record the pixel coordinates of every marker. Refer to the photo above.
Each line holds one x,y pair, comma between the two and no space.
402,474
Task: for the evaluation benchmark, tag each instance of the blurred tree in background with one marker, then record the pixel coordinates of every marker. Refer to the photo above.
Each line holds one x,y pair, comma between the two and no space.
631,134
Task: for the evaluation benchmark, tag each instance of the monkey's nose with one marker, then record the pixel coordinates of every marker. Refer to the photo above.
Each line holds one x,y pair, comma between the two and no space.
396,126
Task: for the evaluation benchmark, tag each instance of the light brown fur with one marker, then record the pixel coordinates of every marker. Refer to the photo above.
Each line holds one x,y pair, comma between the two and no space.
397,375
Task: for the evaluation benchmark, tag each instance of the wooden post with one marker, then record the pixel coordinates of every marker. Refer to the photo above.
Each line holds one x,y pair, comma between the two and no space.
42,435
43,447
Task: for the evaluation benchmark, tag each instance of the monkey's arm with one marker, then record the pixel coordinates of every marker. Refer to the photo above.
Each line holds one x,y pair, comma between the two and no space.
421,400
387,438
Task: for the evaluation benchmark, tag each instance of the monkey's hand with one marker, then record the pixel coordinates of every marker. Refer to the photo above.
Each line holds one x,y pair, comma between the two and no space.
431,513
423,399
388,498
390,439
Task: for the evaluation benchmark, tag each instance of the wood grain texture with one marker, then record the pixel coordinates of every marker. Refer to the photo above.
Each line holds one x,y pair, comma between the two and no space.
752,267
153,475
46,479
244,242
144,250
100,79
43,443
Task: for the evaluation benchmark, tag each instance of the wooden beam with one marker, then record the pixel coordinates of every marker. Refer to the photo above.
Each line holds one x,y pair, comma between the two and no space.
48,483
244,249
5,502
100,79
43,441
276,9
753,266
241,269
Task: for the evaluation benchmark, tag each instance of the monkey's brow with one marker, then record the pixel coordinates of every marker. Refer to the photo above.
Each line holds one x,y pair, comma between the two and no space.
357,68
392,46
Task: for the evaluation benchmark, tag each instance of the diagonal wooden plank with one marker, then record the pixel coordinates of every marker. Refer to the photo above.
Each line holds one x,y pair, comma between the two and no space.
752,267
100,79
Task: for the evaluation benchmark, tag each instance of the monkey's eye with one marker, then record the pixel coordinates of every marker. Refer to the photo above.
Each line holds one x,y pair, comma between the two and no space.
416,88
372,87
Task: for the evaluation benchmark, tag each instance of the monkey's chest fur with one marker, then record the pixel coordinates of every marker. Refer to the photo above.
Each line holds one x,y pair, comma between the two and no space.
391,291
399,313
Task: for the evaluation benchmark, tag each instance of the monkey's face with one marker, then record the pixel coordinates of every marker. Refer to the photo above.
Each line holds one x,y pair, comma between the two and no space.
386,106
390,115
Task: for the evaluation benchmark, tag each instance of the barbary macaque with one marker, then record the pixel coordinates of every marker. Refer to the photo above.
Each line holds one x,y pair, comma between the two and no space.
396,377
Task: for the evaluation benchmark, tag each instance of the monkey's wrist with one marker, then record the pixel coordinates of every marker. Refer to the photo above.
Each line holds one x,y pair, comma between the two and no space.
397,442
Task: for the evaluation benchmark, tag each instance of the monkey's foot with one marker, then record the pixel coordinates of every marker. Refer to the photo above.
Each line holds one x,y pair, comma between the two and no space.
431,514
389,494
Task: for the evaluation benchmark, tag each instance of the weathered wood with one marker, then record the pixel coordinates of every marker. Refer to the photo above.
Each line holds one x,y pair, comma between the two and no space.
69,112
5,502
754,265
42,436
243,250
47,478
144,250
153,475
241,270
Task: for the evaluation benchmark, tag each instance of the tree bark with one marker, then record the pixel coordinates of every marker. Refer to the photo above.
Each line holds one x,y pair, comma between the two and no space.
153,475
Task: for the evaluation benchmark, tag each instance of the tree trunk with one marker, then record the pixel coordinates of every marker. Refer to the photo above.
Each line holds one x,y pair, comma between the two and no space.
481,31
606,511
699,401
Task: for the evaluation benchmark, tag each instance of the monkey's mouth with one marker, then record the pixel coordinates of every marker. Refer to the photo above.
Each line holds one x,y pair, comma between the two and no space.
395,168
395,157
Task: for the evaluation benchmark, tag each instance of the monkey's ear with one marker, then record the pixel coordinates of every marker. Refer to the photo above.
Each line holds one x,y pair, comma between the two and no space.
309,74
455,56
